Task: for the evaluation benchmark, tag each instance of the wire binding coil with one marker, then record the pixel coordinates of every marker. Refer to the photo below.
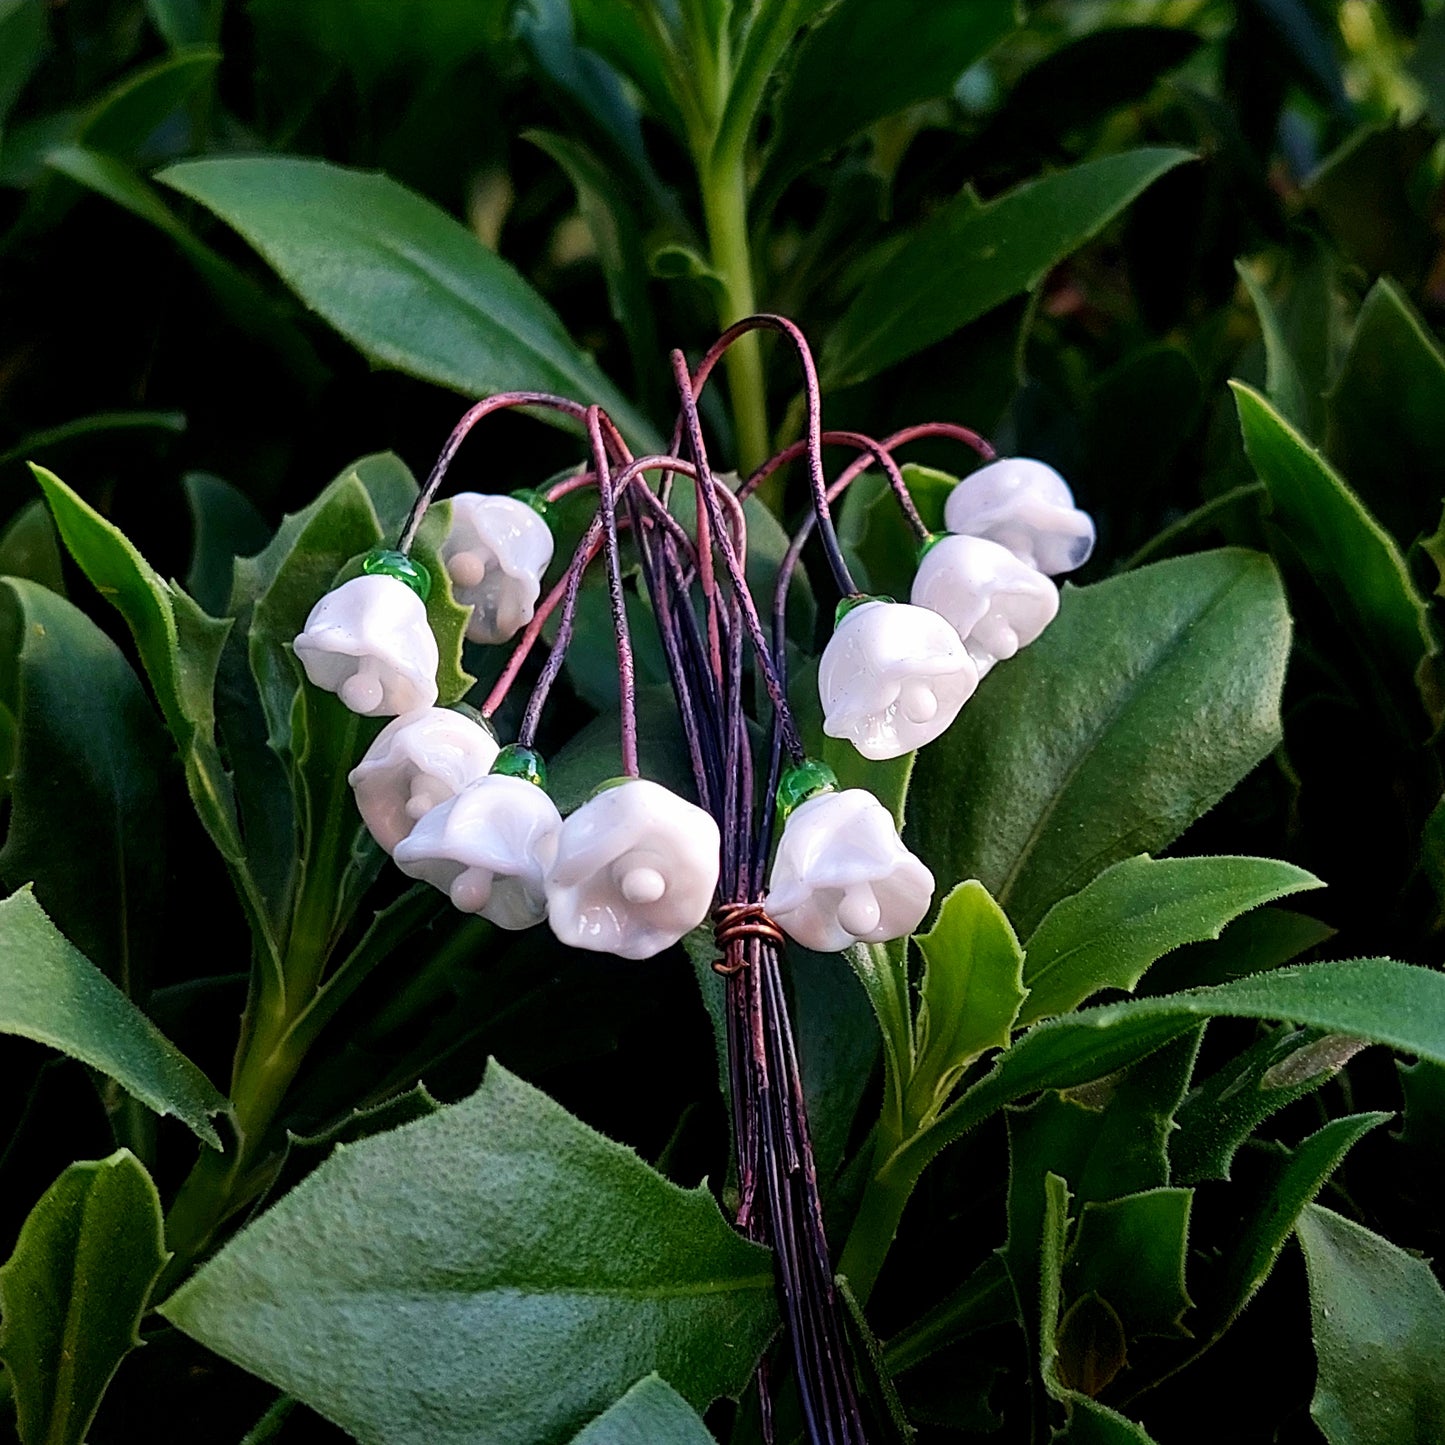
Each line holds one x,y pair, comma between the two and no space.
738,923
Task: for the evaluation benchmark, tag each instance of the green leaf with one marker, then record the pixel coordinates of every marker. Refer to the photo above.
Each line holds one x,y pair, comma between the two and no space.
1379,1317
128,116
872,1370
1392,384
23,34
1353,559
1169,676
180,648
983,1300
87,821
73,1292
879,544
909,51
29,548
971,992
1230,1105
1284,383
1131,1251
1109,933
498,1267
88,426
226,526
402,280
972,256
184,23
50,992
1380,1000
1254,942
650,1413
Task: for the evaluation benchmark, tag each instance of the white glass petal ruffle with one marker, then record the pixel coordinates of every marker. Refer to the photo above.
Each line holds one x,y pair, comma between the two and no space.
495,553
418,761
369,642
488,849
892,678
842,875
636,868
1027,507
994,602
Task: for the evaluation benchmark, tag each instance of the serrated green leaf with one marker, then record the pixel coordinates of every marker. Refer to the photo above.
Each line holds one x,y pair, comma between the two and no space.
87,822
50,992
1392,384
1169,676
1224,1110
1350,556
495,1272
650,1413
970,995
909,52
970,257
1108,934
402,280
1379,1317
73,1292
1131,1251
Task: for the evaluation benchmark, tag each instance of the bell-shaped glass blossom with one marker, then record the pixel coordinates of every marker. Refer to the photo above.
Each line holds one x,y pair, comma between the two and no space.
636,868
994,602
369,642
842,875
495,552
892,678
1027,507
488,849
417,762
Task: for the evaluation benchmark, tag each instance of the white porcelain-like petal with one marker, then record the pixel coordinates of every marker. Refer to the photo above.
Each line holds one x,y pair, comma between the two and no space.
418,761
495,552
892,678
636,868
1027,507
488,849
994,602
842,875
369,642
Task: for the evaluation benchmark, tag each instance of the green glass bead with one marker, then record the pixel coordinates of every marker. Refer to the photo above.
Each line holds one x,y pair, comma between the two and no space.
803,781
515,761
536,500
388,562
858,599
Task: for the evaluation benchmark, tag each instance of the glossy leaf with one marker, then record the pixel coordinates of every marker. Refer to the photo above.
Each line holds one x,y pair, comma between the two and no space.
1351,557
908,52
1169,676
73,1292
50,992
1379,1317
972,256
971,992
1391,386
650,1413
402,280
1398,1004
87,822
1108,934
496,1271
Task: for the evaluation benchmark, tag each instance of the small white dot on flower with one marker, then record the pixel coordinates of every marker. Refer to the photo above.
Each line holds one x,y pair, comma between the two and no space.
643,885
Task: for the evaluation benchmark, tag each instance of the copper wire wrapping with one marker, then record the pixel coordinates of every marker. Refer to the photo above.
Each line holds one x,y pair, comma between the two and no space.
737,923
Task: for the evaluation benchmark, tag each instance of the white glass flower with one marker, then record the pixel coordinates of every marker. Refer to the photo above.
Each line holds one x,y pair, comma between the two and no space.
495,553
418,761
1027,507
369,642
636,868
994,602
893,677
488,849
842,875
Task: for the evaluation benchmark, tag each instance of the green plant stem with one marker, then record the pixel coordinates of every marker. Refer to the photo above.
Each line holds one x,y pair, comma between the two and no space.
725,210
